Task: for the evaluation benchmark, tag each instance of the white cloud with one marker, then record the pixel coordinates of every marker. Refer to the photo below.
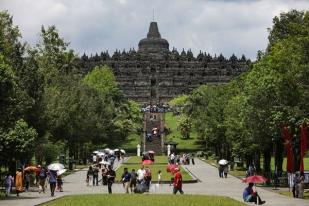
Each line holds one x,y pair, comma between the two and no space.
224,26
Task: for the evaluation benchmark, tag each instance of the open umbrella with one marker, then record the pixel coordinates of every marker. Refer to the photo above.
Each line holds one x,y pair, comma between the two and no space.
31,169
171,168
123,151
104,162
151,152
116,150
223,162
147,162
255,179
60,172
95,152
55,166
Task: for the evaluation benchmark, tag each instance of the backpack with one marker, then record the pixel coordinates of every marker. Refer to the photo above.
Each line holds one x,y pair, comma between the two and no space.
42,173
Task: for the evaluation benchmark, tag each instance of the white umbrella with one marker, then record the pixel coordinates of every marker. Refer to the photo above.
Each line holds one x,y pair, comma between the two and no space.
104,162
101,154
116,150
122,151
55,166
223,162
151,152
60,172
95,152
111,152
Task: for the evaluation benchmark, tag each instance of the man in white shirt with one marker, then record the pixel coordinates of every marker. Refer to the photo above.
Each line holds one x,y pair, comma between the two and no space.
141,174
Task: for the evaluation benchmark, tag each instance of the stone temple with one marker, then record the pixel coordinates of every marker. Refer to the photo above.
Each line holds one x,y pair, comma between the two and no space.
154,74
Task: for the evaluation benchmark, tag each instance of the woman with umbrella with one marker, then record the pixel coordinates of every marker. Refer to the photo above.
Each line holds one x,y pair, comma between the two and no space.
250,194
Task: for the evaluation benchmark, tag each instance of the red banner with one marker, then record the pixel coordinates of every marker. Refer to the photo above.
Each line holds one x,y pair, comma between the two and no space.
303,144
288,146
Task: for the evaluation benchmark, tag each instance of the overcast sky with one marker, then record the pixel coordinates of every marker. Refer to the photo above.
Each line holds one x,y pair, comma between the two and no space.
214,26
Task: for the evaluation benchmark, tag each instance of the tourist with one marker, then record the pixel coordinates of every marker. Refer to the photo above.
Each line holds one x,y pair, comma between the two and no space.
250,171
59,183
125,179
141,174
147,178
19,181
89,175
177,182
225,170
104,177
52,181
192,159
42,179
172,158
37,175
250,195
27,180
221,168
95,180
300,185
159,177
8,183
133,180
296,180
111,174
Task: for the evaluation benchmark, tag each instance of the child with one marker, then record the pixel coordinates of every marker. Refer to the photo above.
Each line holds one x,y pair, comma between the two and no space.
159,177
9,181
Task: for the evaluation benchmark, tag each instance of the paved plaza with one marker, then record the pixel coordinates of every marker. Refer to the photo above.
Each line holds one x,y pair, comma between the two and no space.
210,184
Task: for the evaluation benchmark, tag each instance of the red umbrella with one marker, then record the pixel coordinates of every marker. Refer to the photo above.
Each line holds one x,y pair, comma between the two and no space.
171,168
255,179
147,162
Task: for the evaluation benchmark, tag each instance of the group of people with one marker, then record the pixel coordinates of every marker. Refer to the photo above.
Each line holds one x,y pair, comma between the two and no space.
183,159
108,176
223,170
42,176
138,181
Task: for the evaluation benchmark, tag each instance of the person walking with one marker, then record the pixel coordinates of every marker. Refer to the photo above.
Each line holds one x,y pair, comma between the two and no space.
125,179
19,181
225,170
159,177
141,174
52,181
133,180
177,182
104,177
89,175
42,179
27,180
147,178
111,175
95,180
9,181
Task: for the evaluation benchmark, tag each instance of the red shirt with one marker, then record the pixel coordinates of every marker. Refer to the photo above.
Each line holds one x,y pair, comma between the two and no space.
178,180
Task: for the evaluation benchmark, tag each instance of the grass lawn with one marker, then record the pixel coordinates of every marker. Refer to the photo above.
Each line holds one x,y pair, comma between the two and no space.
145,200
171,122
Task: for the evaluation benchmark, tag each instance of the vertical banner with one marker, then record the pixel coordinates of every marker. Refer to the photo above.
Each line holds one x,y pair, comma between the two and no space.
288,146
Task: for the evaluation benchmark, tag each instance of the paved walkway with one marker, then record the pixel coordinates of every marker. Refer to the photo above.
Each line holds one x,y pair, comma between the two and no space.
210,184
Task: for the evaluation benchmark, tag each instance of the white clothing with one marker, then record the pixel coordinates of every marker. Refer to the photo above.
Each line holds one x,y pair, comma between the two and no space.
141,174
